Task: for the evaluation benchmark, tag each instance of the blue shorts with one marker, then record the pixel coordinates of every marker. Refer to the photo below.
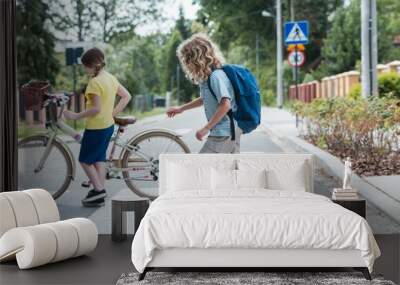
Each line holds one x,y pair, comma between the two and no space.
94,145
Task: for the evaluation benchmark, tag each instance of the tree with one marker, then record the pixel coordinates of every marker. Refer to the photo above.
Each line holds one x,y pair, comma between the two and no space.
136,63
171,62
123,16
389,27
342,47
102,20
174,77
317,13
75,18
182,24
236,24
35,44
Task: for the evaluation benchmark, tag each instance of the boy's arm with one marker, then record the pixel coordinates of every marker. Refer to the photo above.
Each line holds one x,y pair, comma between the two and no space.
124,100
193,104
171,112
223,107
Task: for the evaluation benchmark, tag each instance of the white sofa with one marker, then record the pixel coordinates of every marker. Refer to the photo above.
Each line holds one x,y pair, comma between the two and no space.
31,231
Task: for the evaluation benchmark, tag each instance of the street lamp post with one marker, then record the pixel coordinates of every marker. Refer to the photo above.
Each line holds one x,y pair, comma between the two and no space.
369,50
279,73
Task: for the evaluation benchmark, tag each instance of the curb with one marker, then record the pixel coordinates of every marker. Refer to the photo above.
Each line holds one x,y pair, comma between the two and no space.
334,166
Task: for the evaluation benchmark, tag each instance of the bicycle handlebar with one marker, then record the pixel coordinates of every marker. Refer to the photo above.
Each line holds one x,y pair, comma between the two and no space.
60,99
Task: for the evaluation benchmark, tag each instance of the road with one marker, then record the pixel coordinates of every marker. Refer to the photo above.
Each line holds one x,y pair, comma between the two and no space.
185,124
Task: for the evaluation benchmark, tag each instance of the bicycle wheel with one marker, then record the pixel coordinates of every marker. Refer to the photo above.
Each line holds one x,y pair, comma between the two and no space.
57,171
142,179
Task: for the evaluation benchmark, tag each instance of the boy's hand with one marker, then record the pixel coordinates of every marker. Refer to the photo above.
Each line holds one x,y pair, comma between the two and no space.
201,133
171,112
69,115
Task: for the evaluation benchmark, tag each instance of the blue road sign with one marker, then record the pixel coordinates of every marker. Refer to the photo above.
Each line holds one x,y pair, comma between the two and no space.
296,33
73,55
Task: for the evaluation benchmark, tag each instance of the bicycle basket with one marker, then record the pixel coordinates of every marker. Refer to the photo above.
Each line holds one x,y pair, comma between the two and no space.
34,94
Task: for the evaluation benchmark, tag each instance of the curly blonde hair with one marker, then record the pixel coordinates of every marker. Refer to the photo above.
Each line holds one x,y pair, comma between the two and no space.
198,56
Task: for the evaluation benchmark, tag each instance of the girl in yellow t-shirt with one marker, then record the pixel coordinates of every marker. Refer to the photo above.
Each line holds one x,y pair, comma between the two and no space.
99,114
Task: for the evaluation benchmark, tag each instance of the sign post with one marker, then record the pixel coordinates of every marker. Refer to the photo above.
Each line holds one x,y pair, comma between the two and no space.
296,36
72,58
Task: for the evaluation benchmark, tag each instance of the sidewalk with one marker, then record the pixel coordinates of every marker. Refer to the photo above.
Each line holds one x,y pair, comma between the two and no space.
383,209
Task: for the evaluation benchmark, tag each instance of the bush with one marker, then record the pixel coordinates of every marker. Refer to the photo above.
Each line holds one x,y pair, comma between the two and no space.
389,84
308,78
355,91
367,130
268,97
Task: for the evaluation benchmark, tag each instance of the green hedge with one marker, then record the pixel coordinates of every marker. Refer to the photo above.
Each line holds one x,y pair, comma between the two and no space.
367,130
388,86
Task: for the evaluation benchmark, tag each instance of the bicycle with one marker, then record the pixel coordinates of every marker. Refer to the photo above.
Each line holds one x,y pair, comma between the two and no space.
46,161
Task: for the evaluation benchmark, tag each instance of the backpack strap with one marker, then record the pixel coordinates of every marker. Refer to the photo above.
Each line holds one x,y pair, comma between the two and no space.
230,113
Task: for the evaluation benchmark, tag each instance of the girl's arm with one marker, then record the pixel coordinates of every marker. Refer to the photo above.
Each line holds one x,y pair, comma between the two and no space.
177,110
124,100
87,113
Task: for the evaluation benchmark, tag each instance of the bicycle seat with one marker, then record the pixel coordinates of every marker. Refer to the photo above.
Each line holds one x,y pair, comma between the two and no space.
124,121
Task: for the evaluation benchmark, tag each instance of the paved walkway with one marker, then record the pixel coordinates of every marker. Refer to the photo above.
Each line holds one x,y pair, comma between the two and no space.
279,121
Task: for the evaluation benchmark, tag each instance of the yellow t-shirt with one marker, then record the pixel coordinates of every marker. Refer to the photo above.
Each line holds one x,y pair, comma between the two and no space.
104,85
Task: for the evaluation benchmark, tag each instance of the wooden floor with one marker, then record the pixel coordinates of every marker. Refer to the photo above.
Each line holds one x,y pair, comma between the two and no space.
110,260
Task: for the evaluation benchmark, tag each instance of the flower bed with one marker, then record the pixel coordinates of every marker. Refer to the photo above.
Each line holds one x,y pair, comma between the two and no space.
367,130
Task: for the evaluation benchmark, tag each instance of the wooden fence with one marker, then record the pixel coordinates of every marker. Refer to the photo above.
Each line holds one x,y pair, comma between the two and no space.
336,85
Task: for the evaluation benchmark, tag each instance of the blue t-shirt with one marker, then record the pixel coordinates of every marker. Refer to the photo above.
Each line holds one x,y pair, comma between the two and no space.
222,88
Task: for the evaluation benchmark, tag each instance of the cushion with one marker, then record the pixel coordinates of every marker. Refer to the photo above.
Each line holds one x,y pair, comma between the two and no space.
251,178
7,217
26,208
33,246
182,177
23,208
225,179
188,174
292,178
282,174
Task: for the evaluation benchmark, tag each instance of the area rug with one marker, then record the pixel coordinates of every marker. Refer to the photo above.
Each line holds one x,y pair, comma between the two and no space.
244,278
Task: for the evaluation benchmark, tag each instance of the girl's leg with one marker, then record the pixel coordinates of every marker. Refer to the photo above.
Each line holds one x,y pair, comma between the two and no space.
101,172
93,176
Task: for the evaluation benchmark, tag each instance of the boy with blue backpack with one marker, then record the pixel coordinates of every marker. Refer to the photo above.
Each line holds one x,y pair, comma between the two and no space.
229,94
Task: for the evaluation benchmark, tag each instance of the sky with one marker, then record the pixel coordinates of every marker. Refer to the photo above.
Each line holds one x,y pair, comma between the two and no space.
170,10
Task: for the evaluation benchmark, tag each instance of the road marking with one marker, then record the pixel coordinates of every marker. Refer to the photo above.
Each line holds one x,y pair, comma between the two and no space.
183,131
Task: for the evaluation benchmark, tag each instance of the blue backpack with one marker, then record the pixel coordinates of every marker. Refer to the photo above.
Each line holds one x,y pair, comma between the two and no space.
247,97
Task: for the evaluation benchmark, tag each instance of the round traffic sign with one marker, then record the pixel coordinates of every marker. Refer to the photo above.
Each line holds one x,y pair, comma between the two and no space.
296,58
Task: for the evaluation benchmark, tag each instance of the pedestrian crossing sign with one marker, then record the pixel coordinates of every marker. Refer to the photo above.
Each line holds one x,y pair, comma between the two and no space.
296,32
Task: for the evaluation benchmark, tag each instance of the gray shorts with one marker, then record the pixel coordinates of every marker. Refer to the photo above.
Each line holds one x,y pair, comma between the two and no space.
222,144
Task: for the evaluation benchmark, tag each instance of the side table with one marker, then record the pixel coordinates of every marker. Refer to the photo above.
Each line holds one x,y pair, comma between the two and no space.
358,206
119,206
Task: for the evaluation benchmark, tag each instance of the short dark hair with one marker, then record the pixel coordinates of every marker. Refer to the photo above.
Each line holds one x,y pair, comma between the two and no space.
93,58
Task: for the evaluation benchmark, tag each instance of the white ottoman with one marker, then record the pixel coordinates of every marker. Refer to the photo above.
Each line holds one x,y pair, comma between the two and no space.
31,232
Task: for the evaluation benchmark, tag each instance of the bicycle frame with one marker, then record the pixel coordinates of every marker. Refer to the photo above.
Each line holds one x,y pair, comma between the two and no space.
52,134
55,124
147,162
46,152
